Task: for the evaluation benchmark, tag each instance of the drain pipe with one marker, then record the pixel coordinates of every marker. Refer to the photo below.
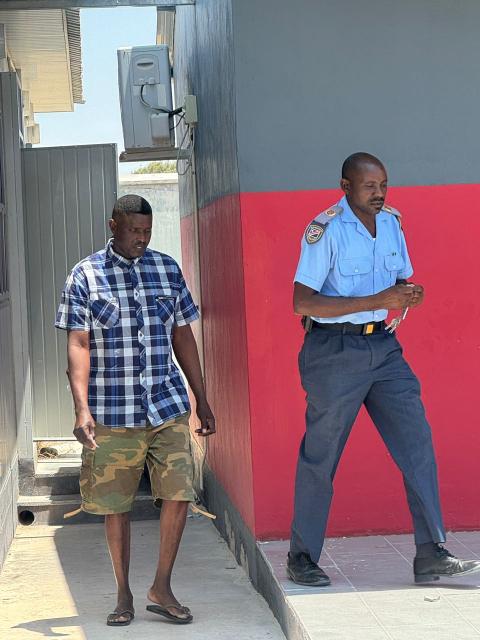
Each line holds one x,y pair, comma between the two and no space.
26,517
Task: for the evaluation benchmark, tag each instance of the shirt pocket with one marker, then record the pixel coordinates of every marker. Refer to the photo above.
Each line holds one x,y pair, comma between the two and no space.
355,266
105,313
394,264
166,307
353,272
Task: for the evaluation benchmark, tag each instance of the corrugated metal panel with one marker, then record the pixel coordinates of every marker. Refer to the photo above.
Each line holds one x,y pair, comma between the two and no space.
45,45
75,53
8,431
8,421
69,193
12,124
7,391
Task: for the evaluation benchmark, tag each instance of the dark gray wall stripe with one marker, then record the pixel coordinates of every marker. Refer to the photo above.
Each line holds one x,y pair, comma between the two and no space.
204,65
319,79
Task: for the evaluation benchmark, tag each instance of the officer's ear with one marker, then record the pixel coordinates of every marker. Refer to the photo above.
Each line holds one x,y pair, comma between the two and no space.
345,186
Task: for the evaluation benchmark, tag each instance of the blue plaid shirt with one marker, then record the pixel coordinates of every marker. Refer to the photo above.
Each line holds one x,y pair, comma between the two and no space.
129,307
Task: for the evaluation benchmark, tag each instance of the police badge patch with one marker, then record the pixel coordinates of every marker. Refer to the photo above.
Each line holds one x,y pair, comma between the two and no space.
314,232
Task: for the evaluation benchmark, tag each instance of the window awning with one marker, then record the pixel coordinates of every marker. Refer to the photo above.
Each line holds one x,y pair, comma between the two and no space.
45,47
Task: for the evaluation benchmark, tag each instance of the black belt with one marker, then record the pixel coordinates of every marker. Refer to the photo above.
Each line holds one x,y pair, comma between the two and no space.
348,327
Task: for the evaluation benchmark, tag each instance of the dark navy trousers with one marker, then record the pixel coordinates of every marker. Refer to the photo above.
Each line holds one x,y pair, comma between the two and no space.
339,373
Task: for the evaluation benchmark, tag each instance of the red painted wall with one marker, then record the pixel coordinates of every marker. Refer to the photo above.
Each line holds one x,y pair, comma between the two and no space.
225,345
441,340
249,246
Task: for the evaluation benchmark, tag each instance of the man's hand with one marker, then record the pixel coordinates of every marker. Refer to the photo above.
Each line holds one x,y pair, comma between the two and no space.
207,419
399,296
417,295
185,349
84,430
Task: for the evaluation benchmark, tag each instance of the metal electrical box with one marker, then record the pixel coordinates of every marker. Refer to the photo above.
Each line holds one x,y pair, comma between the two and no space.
144,80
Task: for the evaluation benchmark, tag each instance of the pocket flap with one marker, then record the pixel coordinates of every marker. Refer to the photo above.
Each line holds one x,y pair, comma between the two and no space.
355,266
105,312
165,306
394,263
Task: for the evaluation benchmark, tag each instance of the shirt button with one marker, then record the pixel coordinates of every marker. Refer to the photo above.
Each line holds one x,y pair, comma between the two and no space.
356,270
376,270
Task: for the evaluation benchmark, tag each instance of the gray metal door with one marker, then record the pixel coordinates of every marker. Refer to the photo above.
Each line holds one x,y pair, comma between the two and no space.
68,197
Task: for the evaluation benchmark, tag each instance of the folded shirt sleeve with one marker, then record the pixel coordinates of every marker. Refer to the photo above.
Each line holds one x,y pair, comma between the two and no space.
74,309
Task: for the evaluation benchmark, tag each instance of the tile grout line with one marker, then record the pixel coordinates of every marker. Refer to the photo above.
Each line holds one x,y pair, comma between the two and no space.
450,604
398,551
475,628
466,547
379,622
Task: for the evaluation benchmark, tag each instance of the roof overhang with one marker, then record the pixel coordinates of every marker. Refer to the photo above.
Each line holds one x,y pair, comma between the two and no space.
44,47
82,4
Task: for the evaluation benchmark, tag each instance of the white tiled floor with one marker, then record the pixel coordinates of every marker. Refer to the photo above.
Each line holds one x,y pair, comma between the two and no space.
372,595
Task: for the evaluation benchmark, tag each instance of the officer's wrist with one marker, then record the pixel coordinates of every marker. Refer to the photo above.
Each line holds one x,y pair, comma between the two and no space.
372,302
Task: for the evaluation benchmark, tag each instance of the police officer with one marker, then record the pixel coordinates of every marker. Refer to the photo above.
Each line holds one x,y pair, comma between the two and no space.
353,268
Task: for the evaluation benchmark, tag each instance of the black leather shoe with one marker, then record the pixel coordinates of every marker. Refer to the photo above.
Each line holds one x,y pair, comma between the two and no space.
442,564
302,570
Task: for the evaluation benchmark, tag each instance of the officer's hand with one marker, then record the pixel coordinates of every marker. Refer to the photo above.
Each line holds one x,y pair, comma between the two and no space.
397,297
84,430
417,297
207,419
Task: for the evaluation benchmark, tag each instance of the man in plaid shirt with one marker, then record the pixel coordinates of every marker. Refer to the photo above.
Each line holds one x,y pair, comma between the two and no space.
126,308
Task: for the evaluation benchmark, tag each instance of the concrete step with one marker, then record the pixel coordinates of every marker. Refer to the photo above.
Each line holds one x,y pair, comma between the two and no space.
50,509
56,478
59,478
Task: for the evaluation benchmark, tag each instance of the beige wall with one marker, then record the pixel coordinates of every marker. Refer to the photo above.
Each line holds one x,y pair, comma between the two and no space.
161,191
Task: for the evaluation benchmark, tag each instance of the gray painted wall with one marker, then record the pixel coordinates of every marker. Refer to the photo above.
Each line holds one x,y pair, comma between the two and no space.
204,65
184,69
319,79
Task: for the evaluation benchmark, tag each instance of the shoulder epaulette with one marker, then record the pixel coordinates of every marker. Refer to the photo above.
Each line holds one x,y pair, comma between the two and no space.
316,228
394,212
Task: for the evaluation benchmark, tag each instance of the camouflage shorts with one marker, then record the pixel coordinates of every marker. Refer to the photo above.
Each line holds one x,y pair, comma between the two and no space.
110,474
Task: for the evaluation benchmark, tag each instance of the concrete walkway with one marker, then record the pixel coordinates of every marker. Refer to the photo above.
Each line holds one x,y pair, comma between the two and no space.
372,595
57,583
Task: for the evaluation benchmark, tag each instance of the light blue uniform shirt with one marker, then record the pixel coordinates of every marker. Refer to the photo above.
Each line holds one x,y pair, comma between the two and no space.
348,262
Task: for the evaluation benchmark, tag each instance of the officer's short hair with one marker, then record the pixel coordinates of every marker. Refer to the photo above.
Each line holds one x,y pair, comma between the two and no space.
356,160
131,203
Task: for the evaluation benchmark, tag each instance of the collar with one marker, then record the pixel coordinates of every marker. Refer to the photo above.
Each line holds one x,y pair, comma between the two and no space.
349,216
119,260
347,213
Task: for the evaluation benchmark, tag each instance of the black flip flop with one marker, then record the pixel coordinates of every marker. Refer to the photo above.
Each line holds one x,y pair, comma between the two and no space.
111,622
163,611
